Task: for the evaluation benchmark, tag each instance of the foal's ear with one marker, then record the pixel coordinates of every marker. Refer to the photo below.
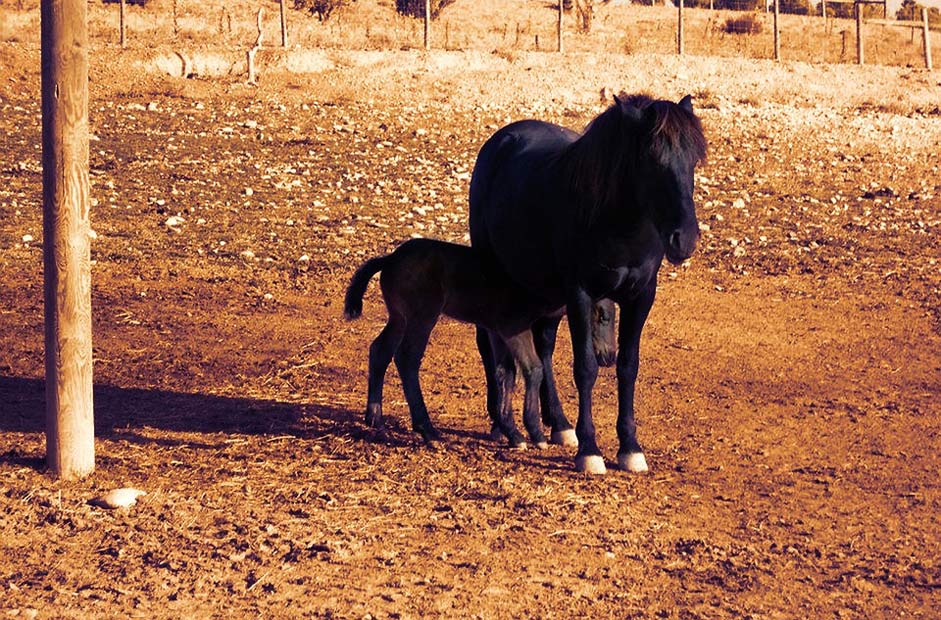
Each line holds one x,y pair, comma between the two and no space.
687,103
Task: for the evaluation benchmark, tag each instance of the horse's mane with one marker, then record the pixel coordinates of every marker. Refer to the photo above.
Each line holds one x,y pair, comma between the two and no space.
600,162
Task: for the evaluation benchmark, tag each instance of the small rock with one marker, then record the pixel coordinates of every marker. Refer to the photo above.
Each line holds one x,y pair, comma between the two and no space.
28,239
118,498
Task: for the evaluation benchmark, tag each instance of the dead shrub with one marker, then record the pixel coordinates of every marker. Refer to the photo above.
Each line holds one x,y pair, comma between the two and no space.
748,23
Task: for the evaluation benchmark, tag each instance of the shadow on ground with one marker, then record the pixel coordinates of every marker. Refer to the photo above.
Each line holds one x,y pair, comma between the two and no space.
118,410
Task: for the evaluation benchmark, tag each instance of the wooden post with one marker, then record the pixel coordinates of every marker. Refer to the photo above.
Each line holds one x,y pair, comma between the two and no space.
427,24
252,78
679,28
284,26
926,38
70,427
559,27
777,32
123,38
860,56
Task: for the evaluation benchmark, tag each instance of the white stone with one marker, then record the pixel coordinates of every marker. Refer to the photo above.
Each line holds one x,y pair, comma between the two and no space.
119,498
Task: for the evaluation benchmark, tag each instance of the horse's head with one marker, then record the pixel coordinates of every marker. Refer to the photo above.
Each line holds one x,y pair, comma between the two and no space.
636,163
670,143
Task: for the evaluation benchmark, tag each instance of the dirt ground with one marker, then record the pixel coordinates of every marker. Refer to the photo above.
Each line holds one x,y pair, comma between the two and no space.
789,388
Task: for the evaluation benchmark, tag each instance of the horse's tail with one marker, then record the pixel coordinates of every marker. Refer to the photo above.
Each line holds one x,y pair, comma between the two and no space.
353,303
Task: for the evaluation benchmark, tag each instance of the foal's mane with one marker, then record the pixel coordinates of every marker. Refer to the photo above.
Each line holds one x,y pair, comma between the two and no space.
600,163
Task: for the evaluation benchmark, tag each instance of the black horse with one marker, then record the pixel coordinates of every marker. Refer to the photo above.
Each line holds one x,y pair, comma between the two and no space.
423,279
572,218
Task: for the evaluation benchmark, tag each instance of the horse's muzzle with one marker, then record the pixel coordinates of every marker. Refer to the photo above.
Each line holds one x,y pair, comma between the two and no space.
681,244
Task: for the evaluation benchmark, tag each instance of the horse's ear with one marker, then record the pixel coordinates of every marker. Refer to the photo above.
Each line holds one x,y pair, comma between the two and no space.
687,103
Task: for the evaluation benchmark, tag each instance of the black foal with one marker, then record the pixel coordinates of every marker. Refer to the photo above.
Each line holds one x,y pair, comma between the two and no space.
423,279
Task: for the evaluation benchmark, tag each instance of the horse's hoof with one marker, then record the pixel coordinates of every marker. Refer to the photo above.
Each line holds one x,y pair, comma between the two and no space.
590,464
518,446
634,462
564,438
542,445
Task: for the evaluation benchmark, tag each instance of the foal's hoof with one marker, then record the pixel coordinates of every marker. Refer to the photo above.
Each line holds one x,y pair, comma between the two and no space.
495,434
564,438
590,464
431,436
542,445
634,462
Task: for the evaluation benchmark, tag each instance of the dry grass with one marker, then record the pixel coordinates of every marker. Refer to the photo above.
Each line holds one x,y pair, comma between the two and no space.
504,26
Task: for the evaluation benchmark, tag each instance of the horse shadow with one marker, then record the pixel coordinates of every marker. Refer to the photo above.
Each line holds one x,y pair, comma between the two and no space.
123,413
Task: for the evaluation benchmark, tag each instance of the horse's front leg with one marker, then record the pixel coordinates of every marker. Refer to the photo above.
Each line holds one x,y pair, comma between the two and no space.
588,459
633,316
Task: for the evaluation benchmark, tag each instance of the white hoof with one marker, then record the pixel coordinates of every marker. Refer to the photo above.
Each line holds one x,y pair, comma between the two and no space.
518,446
564,438
633,462
542,445
591,464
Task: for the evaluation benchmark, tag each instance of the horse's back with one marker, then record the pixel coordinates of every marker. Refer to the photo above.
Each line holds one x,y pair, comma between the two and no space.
511,191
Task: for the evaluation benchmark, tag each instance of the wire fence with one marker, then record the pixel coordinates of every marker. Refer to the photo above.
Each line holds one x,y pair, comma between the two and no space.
511,26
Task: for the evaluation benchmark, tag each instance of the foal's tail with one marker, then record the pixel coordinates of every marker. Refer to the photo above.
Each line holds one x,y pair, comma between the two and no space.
353,304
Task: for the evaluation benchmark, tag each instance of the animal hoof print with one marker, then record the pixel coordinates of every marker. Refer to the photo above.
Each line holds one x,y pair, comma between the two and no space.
590,464
564,438
634,462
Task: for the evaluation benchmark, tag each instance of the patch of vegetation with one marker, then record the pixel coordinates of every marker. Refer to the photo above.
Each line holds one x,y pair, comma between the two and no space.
323,9
416,8
749,23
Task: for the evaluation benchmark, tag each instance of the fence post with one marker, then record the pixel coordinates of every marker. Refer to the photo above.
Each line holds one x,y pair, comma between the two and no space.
679,28
250,54
284,26
561,11
926,38
777,32
427,24
860,56
123,38
70,426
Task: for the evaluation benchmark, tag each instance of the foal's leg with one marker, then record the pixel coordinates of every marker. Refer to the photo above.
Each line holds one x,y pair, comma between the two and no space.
633,316
521,346
504,383
380,355
408,360
500,379
544,334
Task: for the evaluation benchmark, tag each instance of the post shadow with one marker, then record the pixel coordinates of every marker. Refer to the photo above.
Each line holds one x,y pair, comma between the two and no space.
120,412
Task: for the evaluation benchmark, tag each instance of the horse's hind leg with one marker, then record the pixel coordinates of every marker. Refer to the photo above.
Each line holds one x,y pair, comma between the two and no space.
521,346
380,355
544,334
501,381
408,361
